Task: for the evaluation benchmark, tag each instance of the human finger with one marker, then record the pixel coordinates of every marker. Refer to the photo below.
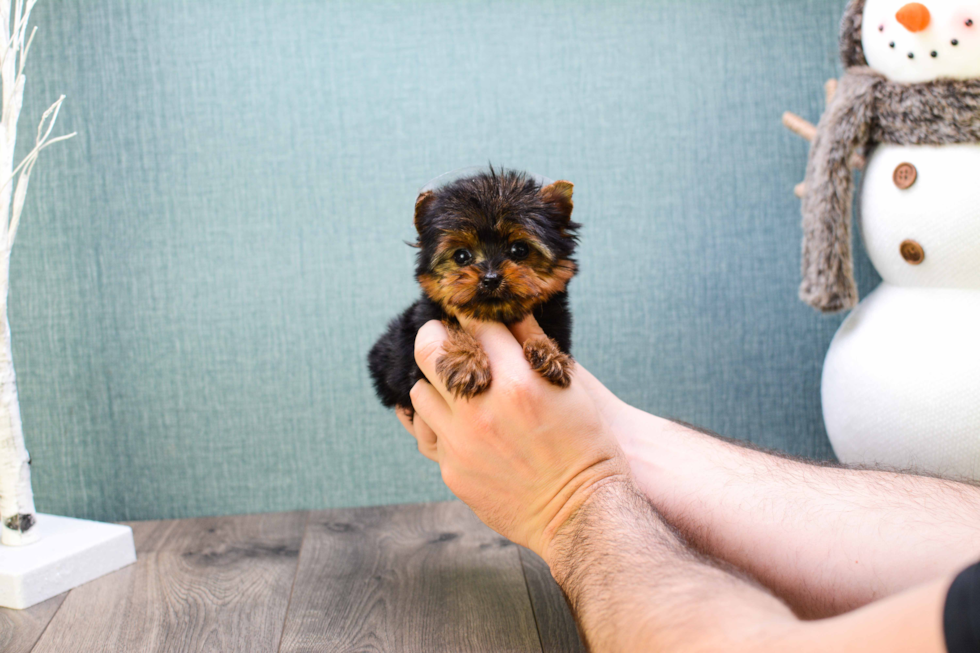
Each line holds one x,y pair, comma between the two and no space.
426,438
431,405
526,329
505,353
405,417
429,348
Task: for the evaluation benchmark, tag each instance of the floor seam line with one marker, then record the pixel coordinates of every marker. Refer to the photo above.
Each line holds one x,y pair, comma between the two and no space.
45,629
292,588
530,599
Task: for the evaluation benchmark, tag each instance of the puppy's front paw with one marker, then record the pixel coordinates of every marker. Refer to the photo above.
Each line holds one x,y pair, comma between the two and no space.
464,366
549,361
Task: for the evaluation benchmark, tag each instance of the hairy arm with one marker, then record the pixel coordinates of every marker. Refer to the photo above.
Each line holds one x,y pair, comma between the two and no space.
634,586
825,539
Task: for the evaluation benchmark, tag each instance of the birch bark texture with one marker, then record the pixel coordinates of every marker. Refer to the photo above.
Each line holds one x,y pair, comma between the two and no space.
16,498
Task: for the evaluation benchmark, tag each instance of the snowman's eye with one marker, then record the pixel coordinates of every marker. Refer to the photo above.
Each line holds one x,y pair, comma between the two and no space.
892,45
955,42
934,54
881,28
969,22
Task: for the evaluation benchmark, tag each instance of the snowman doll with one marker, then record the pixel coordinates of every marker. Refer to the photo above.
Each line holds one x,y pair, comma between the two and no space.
901,382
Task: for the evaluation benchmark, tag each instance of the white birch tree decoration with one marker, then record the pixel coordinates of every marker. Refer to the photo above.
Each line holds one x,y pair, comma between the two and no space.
16,498
73,551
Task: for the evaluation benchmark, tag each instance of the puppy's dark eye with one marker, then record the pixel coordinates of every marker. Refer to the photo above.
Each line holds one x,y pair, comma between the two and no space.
462,257
519,251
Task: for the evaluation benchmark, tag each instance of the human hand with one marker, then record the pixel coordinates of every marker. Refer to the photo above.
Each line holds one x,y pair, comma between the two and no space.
525,455
619,416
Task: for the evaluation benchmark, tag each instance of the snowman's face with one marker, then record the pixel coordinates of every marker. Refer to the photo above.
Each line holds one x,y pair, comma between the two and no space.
919,42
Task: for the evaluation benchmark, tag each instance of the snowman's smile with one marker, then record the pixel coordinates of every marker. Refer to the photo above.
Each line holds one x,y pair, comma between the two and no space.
916,42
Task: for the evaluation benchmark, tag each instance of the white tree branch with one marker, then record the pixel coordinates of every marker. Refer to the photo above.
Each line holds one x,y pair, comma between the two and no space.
16,498
20,193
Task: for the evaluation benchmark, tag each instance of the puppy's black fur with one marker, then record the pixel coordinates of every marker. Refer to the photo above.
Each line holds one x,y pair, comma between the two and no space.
494,247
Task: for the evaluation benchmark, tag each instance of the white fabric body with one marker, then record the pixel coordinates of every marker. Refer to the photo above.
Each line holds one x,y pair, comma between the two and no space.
901,383
948,22
941,212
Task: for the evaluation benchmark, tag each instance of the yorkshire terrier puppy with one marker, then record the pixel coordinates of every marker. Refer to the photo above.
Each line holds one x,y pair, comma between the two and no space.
493,247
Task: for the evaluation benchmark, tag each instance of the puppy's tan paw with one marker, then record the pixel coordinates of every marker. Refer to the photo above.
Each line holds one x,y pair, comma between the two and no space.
549,361
464,366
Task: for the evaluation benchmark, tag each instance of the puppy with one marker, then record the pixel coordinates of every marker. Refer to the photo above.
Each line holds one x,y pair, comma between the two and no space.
496,246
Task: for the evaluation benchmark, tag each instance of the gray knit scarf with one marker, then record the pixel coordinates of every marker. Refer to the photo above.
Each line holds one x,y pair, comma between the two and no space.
866,110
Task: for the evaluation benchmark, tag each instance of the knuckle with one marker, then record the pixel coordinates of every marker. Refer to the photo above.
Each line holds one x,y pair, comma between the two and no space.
482,421
417,393
449,476
518,387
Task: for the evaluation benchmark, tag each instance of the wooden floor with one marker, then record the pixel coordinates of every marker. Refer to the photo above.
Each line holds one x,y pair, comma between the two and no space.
406,579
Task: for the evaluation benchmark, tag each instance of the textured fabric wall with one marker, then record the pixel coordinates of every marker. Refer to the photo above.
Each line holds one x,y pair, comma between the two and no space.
202,271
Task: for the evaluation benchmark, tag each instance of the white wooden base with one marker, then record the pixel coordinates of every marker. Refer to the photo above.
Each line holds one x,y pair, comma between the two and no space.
70,552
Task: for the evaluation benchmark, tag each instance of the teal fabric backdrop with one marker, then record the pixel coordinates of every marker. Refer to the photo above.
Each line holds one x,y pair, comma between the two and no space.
201,272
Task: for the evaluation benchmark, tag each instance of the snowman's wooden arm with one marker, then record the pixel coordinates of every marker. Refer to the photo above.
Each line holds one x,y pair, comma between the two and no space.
808,131
799,126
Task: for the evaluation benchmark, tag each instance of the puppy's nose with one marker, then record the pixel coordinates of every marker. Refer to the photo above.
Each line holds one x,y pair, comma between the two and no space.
491,280
914,17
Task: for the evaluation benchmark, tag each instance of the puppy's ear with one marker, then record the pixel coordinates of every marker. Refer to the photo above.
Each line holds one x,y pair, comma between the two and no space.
421,205
559,195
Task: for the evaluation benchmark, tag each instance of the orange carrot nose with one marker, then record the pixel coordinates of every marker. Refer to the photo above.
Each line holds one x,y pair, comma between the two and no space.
914,17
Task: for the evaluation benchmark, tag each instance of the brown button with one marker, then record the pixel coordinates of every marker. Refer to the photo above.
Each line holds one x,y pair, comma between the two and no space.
905,175
912,252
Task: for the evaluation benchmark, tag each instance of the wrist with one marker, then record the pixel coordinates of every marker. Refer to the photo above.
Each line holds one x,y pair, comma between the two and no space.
590,511
644,436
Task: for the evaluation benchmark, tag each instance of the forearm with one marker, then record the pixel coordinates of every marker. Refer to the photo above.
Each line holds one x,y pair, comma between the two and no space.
825,539
635,586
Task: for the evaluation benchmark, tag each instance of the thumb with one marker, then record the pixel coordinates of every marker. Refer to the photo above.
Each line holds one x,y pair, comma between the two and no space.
496,340
471,325
526,329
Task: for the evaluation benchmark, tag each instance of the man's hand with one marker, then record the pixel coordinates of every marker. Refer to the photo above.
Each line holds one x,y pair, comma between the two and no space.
525,455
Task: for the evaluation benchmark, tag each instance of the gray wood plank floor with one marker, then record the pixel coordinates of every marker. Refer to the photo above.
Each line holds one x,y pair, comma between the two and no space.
417,578
556,625
217,584
20,629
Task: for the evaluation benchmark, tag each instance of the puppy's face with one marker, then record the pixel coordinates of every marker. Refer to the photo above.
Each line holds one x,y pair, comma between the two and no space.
496,245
